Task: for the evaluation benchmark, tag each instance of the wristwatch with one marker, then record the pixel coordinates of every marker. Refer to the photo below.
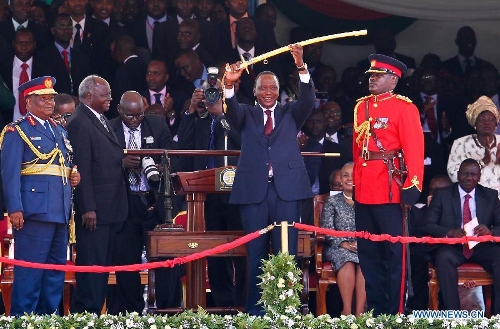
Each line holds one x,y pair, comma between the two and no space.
302,68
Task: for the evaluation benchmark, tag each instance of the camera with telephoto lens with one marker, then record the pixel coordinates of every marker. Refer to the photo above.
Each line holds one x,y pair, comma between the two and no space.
210,90
149,167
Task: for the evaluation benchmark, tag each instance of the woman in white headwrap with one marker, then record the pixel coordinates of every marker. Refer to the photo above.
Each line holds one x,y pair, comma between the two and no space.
483,146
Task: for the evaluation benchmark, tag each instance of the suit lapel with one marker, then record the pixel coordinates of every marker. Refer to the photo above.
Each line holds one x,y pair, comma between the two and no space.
481,205
120,134
145,132
456,205
110,134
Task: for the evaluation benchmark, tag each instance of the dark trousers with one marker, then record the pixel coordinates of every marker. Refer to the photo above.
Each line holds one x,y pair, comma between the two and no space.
92,248
448,257
130,241
380,261
227,275
255,217
39,291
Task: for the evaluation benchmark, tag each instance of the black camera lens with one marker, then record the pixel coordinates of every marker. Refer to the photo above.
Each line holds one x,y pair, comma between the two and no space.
212,95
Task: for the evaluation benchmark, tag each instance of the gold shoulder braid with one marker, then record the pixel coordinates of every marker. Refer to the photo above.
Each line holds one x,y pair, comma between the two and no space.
404,98
363,130
31,167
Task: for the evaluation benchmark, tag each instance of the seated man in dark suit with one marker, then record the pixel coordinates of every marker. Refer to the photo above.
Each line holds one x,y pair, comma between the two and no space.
19,68
130,73
191,73
69,66
459,65
384,43
20,17
89,34
419,268
319,169
159,93
248,47
227,28
449,213
189,38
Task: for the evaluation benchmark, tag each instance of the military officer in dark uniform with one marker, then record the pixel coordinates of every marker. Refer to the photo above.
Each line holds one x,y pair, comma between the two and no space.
388,152
37,181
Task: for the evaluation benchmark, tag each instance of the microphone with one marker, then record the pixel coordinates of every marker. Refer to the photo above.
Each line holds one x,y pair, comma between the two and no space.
224,124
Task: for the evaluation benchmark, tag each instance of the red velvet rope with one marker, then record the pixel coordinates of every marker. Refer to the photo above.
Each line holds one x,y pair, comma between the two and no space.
394,239
240,241
137,267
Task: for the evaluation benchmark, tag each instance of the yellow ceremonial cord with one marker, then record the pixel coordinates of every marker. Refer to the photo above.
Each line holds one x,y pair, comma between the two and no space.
223,82
363,130
51,156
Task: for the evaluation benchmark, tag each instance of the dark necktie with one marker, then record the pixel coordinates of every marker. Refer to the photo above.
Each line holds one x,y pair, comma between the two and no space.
155,23
467,217
46,124
103,121
211,144
430,116
268,128
157,98
23,78
468,64
77,41
65,58
251,73
133,174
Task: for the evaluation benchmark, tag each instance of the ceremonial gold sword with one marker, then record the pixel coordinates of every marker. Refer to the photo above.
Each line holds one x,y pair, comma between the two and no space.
245,64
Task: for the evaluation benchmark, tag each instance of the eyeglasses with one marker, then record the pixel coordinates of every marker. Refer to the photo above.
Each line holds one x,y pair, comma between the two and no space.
134,116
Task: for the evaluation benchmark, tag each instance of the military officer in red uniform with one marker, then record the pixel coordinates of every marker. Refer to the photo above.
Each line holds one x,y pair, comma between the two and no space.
388,152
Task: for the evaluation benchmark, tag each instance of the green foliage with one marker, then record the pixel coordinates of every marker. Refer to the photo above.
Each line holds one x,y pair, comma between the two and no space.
281,287
203,320
280,297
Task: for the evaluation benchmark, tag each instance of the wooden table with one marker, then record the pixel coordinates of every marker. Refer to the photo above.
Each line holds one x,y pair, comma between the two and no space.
163,245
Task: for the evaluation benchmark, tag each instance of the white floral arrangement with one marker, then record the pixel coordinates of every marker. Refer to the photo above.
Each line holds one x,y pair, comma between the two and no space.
281,286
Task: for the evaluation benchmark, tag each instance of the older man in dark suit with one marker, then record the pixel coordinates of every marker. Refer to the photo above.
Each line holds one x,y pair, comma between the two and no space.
271,179
450,210
101,198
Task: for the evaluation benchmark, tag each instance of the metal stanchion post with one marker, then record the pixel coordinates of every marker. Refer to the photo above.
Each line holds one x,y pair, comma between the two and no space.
284,237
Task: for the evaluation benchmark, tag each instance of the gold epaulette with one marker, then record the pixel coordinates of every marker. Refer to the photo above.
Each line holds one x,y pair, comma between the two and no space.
10,128
404,98
363,98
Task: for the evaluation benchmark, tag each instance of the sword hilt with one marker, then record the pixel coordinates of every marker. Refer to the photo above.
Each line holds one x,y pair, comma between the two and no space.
244,64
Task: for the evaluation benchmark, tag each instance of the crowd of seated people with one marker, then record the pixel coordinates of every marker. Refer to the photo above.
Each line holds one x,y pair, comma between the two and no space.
162,49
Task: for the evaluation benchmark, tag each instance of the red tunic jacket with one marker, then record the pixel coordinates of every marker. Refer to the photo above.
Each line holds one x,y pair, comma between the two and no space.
396,123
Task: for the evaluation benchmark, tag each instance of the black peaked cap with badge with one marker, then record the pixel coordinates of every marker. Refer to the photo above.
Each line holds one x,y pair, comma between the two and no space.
385,64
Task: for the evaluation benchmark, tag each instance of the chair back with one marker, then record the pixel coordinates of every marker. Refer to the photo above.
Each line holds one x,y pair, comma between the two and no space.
318,202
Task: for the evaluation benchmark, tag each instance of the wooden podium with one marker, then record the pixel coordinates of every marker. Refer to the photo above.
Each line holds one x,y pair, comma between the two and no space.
164,244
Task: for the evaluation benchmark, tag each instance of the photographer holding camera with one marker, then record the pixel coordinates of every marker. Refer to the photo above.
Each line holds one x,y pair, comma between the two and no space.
134,130
203,127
